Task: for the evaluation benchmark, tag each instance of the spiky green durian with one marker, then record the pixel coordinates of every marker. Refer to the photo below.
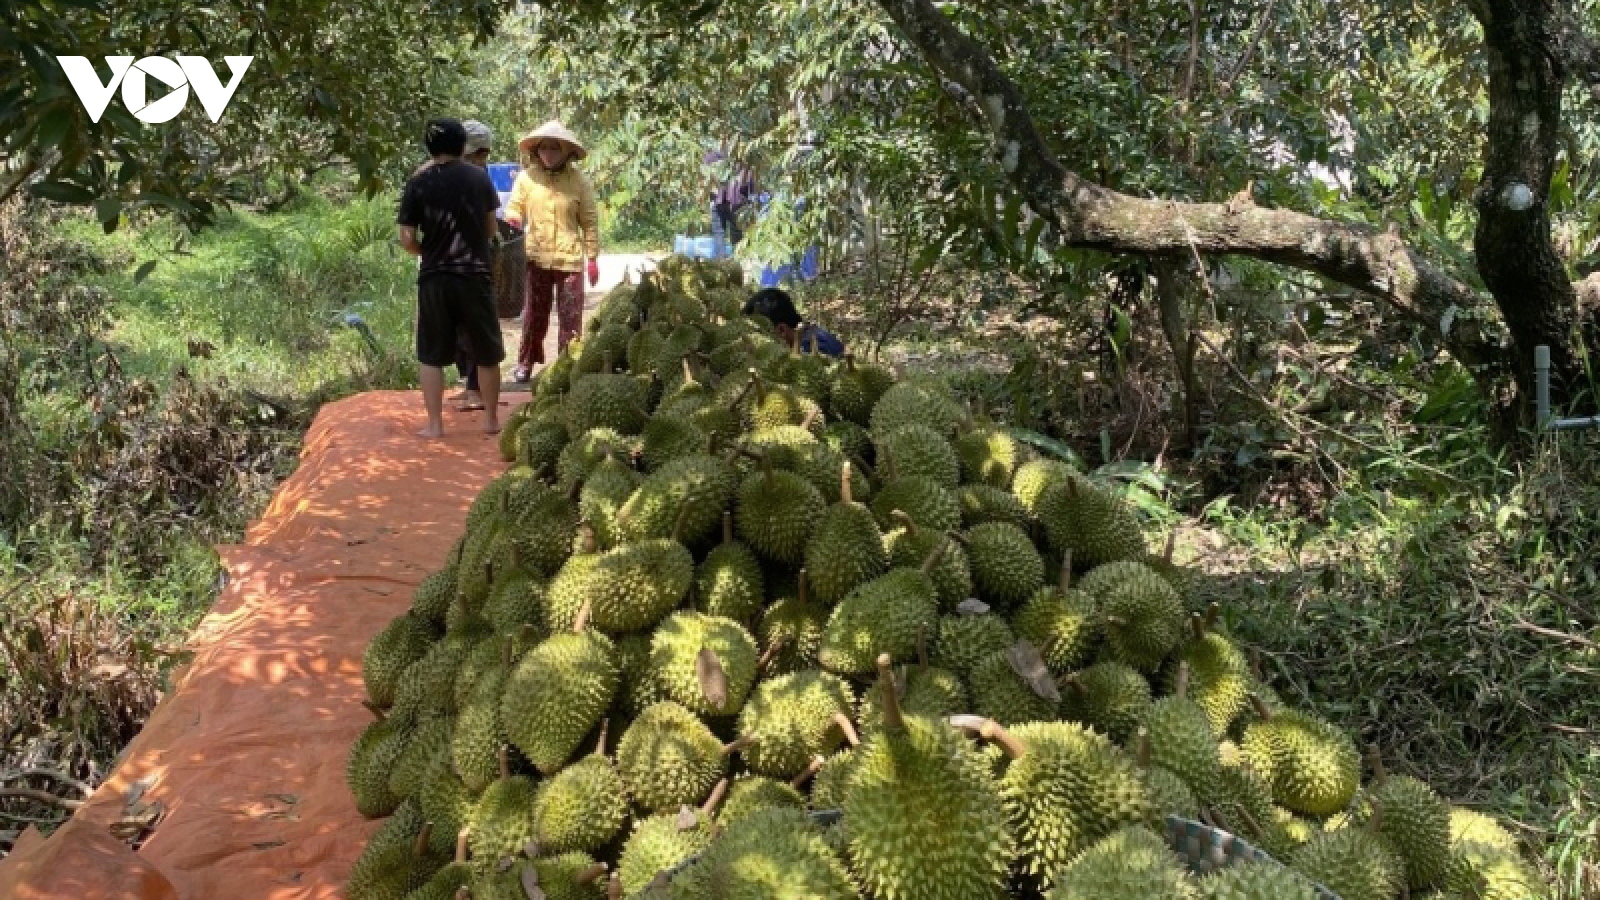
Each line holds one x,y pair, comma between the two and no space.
371,760
776,514
791,633
1132,862
582,807
823,466
446,802
785,445
1059,621
1141,614
924,691
773,853
909,545
919,450
556,694
1091,520
425,743
749,794
926,817
669,758
1414,821
1035,477
402,642
964,640
448,881
393,869
479,732
606,401
686,497
587,450
1219,674
1471,825
427,687
705,663
1112,697
569,589
567,876
856,389
729,582
846,549
849,439
772,405
635,585
1485,872
888,614
924,500
432,599
1351,862
501,822
1312,766
607,487
1006,569
658,844
1181,739
516,600
793,718
989,455
982,503
1001,693
666,438
917,402
539,445
1257,879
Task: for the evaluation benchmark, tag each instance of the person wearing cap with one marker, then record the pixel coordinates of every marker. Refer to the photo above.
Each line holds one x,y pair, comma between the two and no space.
453,203
554,204
479,140
776,306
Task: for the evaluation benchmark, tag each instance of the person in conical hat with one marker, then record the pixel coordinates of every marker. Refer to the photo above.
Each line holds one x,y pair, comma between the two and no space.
554,203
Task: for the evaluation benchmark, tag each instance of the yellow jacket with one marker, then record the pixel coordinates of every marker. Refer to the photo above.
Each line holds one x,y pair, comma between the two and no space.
558,212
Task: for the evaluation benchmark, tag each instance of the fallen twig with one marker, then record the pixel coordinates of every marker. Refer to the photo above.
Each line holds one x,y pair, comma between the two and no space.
44,797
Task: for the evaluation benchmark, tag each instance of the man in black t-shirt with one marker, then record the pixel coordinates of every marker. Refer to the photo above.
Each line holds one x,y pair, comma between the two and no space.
453,202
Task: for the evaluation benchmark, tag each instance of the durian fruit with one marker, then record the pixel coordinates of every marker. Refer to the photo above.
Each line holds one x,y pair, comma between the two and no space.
446,803
603,347
924,691
1485,872
635,585
454,877
1413,821
1181,739
1035,477
1005,687
582,807
1471,825
705,663
565,876
604,491
397,831
846,549
786,446
557,693
1065,788
773,853
856,389
402,642
982,503
830,776
791,719
1111,697
584,452
1141,614
644,346
1006,568
909,544
606,401
1242,803
924,813
1060,622
501,822
669,758
749,794
1257,879
434,594
394,869
636,690
1219,673
657,845
926,502
989,456
540,523
791,630
1132,862
479,731
728,581
686,497
964,639
1092,521
774,405
539,445
371,760
428,740
917,402
1353,863
515,600
918,450
776,513
823,466
1313,767
849,439
569,589
885,615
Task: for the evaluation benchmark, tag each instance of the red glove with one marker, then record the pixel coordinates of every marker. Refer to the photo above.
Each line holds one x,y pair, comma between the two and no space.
594,272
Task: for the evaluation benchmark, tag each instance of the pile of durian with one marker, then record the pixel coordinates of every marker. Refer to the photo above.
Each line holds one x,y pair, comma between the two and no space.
746,622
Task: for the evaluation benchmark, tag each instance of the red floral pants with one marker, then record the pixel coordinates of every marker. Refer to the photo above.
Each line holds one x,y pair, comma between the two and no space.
547,287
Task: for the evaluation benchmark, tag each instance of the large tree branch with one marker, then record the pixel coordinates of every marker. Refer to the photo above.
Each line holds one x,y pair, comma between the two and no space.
1086,214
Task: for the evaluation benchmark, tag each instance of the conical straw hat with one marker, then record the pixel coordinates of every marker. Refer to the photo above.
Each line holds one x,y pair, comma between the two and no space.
553,130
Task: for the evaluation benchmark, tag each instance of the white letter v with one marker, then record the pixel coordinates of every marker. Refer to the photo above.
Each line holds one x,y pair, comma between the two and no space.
84,79
214,96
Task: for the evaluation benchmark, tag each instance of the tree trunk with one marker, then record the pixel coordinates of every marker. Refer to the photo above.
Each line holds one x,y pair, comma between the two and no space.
1176,284
1515,253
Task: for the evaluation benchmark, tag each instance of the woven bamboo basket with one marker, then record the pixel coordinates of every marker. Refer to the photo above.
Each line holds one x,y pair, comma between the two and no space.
509,273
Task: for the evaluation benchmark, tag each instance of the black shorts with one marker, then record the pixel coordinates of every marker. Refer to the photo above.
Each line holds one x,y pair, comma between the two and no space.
456,312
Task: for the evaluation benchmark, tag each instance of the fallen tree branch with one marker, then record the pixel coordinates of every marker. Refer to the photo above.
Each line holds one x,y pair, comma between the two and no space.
63,778
44,797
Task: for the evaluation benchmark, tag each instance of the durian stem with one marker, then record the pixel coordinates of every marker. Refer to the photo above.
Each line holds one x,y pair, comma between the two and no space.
1066,572
1375,758
1172,544
575,491
892,718
727,526
803,586
809,772
738,745
677,526
1260,706
771,653
1070,682
1197,626
903,520
589,875
461,844
587,541
614,887
600,744
375,709
850,363
709,809
992,731
516,556
922,646
1255,663
933,558
844,483
862,467
886,463
504,759
581,623
1213,614
743,393
849,729
488,571
505,502
811,418
1115,621
1142,747
688,372
1375,821
463,893
606,362
1250,822
1181,688
419,847
759,385
505,651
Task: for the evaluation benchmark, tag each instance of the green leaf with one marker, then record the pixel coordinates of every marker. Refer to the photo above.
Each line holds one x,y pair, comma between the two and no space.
1047,444
61,191
53,128
144,271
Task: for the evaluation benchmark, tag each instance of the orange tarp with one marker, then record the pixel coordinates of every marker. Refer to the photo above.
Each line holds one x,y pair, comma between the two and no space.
247,754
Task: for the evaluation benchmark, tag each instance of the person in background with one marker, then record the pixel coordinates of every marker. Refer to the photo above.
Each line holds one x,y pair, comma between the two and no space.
453,203
479,139
730,197
778,308
554,204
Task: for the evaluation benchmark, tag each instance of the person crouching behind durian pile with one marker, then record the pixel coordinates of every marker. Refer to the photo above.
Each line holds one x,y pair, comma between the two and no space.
777,307
554,204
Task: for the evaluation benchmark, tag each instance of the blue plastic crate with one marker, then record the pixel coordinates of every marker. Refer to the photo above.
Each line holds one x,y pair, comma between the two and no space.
504,175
